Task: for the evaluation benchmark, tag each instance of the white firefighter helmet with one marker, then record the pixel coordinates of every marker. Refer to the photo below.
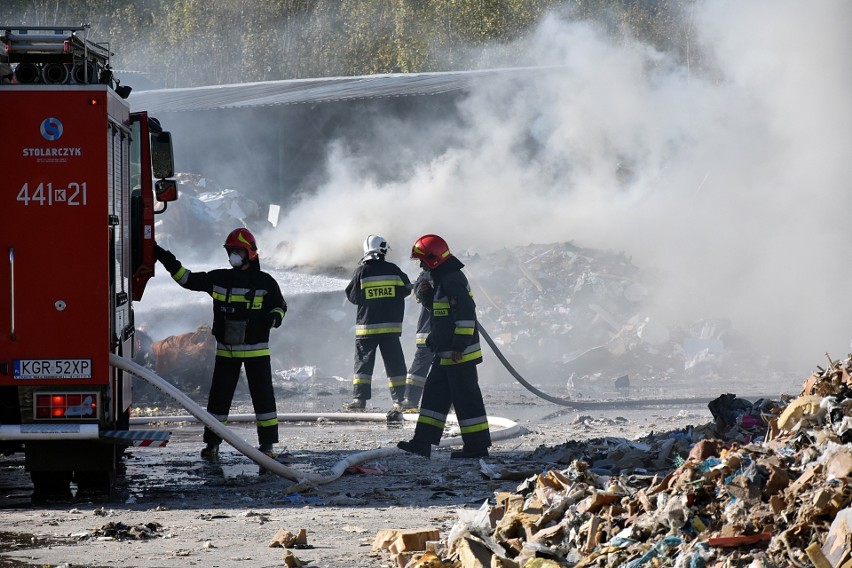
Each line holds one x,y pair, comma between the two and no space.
375,247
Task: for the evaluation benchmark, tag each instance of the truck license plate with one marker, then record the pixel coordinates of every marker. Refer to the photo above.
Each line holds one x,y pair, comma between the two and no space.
53,369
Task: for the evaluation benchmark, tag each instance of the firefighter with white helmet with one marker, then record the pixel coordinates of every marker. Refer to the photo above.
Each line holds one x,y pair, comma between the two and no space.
247,303
452,379
379,289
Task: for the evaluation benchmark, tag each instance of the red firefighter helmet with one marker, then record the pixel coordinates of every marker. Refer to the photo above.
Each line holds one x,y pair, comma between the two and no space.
432,250
242,238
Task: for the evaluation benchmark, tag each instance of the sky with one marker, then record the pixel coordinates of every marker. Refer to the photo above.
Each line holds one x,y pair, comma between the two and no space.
725,175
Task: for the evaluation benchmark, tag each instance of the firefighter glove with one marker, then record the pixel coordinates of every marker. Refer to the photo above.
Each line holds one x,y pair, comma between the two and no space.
167,259
423,291
275,317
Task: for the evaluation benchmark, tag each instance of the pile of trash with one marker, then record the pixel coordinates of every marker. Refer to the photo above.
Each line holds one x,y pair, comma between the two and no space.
583,316
185,359
204,207
766,485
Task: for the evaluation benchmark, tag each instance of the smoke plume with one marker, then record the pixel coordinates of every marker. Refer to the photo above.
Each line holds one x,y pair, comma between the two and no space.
724,172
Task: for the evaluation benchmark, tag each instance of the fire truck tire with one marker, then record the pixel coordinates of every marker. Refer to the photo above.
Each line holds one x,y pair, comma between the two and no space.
94,482
123,423
51,485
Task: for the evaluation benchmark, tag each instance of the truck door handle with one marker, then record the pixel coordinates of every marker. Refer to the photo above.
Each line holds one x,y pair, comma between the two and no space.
12,293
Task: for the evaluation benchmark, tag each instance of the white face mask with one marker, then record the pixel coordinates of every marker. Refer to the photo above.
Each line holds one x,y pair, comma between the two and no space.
235,259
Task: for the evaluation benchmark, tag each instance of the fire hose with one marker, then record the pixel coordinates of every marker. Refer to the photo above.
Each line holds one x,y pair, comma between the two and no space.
508,429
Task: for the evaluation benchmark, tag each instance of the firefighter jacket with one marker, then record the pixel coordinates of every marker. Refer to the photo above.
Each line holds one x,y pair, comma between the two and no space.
379,289
453,316
246,304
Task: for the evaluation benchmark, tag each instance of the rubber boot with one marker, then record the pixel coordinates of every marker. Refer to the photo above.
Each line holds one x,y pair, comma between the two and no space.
416,447
468,452
356,404
211,452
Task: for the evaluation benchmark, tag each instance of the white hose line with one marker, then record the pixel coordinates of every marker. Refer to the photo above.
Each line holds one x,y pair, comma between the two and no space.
507,428
510,428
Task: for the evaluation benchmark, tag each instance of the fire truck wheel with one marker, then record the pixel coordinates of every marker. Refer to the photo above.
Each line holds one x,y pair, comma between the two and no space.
94,482
51,485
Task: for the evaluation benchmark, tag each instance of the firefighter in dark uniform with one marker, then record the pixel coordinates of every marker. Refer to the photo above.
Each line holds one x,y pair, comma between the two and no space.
247,303
452,379
423,356
379,289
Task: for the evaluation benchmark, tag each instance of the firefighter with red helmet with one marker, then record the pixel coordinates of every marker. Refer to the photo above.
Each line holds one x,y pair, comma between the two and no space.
379,289
247,303
454,338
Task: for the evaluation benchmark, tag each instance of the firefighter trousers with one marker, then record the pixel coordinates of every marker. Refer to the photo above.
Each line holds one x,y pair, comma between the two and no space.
457,386
417,374
226,373
365,360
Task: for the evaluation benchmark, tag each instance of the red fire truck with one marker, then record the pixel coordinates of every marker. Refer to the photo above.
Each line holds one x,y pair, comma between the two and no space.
81,178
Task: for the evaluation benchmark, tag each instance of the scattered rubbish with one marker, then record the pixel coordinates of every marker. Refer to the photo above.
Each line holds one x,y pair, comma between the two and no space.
292,561
768,484
120,531
285,539
402,544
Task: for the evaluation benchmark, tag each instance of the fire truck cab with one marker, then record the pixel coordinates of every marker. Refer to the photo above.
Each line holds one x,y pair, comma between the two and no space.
81,178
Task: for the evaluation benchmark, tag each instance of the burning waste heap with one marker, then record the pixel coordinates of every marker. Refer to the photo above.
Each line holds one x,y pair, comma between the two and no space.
767,485
578,316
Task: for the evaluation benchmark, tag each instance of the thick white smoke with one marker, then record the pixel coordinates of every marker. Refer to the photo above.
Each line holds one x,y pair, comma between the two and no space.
727,175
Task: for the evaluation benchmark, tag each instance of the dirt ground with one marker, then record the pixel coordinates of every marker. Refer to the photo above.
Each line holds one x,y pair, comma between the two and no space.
171,509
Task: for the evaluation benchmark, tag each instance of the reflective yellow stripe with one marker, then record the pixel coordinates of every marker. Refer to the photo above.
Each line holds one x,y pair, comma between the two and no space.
179,274
415,380
270,422
378,330
396,382
465,358
440,305
474,428
390,282
242,354
464,331
362,381
431,421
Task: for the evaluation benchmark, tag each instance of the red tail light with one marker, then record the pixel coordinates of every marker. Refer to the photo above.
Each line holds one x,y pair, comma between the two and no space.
66,406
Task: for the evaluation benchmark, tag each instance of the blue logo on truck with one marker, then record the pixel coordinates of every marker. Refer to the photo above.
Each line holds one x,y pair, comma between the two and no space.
51,128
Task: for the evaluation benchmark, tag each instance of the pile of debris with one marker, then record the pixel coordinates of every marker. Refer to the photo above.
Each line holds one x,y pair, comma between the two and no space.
186,360
204,207
584,317
767,485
